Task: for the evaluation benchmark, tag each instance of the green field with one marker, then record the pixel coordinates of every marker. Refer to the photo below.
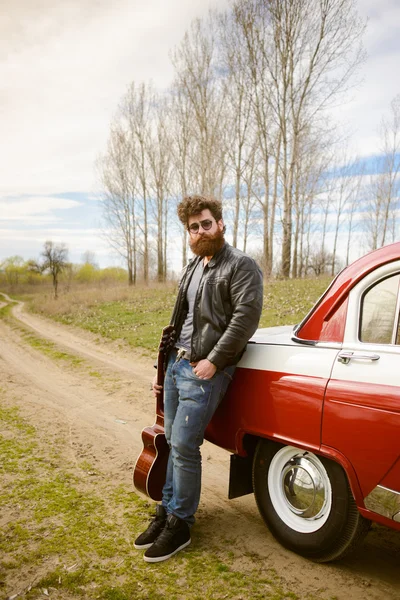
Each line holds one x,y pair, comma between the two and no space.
138,317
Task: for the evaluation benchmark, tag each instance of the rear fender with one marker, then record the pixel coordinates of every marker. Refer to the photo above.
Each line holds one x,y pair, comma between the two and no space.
240,475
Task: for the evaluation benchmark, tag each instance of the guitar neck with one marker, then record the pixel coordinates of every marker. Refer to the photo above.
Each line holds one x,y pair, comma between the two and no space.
161,359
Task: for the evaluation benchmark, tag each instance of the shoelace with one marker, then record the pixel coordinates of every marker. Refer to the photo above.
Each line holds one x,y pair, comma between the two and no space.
158,521
154,525
166,533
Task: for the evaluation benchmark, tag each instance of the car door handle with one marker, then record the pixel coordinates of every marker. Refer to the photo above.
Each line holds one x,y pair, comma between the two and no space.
346,357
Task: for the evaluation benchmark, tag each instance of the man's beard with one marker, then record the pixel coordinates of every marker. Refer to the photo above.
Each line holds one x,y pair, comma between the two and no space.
206,244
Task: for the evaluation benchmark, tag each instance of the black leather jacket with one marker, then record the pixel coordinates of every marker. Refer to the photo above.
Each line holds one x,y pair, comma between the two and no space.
227,308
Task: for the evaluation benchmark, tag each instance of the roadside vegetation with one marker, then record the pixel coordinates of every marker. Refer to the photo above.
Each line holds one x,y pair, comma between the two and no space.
137,314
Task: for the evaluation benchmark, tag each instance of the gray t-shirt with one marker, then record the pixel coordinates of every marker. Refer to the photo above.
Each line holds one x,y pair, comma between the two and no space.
187,329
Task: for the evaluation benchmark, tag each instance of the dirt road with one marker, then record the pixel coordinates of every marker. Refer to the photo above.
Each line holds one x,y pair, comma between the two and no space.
101,409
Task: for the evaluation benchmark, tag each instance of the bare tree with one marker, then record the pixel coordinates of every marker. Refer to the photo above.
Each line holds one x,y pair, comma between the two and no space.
136,111
237,105
302,55
159,161
380,216
34,266
248,201
89,258
318,50
312,162
318,262
343,195
184,176
55,260
196,76
391,168
355,203
252,19
117,170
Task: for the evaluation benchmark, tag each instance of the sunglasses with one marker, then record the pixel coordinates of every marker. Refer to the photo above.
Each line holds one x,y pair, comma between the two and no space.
206,225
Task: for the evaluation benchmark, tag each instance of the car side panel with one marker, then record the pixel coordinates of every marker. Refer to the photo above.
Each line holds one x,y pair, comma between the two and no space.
283,404
362,421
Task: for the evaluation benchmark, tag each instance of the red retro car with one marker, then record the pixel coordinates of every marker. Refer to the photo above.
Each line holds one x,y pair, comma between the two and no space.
313,416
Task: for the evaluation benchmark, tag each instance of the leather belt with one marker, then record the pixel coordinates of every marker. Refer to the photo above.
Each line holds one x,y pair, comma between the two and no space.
182,353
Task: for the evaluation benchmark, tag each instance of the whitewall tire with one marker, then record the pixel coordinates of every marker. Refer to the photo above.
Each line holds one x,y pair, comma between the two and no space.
306,502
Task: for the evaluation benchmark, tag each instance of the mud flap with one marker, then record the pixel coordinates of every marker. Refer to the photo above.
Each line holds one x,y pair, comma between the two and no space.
240,476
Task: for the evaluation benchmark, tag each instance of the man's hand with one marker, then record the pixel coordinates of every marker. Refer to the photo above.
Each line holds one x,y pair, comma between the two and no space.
204,369
155,387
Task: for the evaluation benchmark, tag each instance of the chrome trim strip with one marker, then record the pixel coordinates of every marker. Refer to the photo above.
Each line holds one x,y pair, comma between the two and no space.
384,501
315,343
298,340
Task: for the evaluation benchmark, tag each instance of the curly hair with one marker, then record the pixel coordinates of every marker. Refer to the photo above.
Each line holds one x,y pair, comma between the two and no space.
194,205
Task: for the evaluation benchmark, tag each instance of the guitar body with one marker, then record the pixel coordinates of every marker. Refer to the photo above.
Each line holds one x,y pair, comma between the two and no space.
151,466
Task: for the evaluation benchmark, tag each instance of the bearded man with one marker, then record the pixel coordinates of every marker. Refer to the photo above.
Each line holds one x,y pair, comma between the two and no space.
217,310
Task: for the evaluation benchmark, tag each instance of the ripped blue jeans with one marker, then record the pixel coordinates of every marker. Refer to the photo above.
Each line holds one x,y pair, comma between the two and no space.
189,404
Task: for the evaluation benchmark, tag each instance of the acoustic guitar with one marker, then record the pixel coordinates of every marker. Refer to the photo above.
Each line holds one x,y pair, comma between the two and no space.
151,466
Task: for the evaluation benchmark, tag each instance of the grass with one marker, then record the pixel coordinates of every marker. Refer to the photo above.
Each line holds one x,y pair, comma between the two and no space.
5,311
50,349
137,315
133,315
286,302
65,531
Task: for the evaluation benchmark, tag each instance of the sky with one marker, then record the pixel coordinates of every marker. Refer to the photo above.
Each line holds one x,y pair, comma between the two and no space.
64,66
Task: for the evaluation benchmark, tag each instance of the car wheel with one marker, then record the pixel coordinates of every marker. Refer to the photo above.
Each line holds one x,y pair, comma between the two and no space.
306,502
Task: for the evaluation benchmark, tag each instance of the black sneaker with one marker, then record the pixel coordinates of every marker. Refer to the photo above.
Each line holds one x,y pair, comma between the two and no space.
148,537
174,537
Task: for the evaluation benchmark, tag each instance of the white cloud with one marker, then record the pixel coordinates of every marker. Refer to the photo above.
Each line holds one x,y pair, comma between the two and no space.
362,115
34,209
66,67
29,243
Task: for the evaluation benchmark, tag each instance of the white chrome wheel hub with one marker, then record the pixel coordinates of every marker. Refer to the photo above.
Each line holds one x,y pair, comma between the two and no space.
300,490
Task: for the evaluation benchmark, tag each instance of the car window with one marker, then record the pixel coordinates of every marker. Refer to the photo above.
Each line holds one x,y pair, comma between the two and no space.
380,312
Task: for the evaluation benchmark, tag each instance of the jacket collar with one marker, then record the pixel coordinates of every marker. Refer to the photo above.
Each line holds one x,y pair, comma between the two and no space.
218,256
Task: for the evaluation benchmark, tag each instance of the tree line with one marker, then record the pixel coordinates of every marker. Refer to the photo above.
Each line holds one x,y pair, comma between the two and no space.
53,266
246,118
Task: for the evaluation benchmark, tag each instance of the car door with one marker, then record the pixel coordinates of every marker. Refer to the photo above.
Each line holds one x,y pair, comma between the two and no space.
361,417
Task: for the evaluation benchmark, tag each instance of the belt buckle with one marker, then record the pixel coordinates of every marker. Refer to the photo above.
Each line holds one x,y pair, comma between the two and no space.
181,353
